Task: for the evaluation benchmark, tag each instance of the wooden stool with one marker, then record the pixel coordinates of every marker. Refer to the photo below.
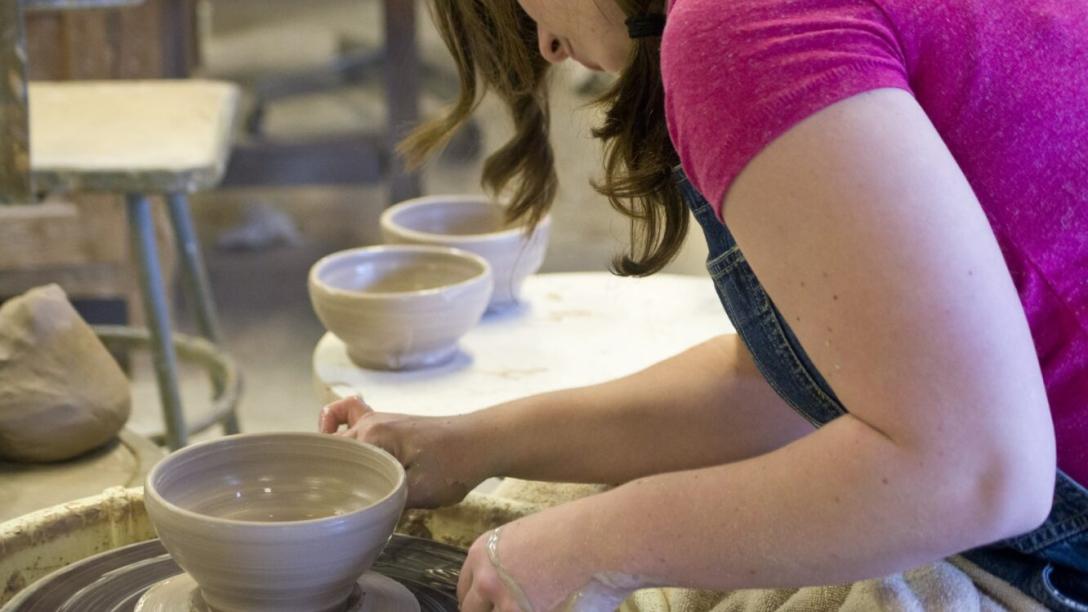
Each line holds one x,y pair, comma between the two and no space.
80,243
142,138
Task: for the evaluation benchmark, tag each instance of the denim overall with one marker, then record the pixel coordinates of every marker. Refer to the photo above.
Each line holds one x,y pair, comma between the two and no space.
1050,563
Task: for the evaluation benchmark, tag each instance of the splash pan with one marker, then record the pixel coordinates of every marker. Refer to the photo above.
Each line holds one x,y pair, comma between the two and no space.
411,574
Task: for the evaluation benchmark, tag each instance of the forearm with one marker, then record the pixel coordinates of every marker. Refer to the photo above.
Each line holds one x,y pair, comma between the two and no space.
843,504
706,406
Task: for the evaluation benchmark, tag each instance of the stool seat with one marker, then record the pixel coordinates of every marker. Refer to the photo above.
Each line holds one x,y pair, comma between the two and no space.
143,138
162,136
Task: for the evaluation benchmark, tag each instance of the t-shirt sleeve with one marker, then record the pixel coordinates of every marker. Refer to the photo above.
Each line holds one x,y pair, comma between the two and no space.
740,73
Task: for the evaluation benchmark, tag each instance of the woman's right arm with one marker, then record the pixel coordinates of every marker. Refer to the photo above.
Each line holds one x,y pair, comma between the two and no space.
706,406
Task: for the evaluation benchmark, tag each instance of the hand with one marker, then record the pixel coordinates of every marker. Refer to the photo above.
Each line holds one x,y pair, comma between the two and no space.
484,585
536,564
442,460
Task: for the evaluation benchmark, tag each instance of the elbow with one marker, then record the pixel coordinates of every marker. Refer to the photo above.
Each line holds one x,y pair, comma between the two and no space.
1010,494
1019,503
999,473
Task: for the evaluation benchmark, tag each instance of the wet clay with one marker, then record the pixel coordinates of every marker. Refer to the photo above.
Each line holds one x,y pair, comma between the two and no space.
276,522
475,224
61,392
507,580
454,218
397,275
415,575
604,591
371,593
400,306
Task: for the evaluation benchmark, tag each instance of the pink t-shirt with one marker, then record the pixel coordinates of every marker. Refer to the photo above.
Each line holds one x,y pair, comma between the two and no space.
1004,83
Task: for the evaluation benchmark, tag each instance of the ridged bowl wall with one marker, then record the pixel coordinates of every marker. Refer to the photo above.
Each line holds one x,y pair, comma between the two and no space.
400,307
476,224
276,521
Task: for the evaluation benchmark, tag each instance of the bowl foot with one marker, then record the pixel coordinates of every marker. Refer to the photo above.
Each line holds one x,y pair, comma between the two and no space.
411,361
372,593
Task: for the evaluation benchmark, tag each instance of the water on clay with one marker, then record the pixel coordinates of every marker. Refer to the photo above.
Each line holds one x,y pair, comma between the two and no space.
437,220
271,512
273,500
389,275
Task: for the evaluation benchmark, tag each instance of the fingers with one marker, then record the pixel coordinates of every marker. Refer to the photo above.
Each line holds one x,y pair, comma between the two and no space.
474,602
476,587
470,597
342,412
484,592
464,581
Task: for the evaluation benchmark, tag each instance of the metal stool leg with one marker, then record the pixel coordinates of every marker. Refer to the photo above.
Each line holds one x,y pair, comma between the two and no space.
195,277
142,231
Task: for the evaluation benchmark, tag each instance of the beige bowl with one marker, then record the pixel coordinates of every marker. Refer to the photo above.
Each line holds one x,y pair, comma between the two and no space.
278,521
476,224
403,306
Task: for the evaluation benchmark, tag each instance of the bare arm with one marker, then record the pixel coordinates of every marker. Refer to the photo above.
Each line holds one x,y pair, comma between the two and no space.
869,239
706,406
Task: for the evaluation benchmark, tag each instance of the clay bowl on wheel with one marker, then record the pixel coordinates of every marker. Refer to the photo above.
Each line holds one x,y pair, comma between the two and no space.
400,306
476,224
277,521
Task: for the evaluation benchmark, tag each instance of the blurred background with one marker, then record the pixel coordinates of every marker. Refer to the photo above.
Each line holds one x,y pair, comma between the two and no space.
301,182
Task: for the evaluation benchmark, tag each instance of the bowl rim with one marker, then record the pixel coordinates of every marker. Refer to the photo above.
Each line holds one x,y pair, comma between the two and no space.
149,490
315,278
386,220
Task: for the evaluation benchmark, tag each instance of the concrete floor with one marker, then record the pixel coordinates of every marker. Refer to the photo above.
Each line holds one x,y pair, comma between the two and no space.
261,293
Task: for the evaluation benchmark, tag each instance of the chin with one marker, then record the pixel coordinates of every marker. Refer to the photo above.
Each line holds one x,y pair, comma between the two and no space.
614,65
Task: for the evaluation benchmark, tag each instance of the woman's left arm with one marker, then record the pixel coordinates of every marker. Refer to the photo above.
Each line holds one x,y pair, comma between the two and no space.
866,234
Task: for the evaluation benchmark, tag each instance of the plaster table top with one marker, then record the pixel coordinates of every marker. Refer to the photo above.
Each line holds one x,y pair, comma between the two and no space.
570,330
130,136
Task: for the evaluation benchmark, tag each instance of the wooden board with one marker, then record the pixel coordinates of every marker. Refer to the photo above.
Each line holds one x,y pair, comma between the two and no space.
154,39
83,244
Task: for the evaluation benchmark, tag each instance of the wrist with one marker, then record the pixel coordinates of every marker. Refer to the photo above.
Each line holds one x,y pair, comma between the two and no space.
597,561
489,435
617,556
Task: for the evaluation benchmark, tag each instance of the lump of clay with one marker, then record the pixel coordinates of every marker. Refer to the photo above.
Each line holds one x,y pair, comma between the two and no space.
61,392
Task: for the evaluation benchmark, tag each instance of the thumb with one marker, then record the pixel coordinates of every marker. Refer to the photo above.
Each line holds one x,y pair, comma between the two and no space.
342,412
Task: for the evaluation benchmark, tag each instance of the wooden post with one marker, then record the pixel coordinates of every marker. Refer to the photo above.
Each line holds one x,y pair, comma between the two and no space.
15,181
401,91
178,38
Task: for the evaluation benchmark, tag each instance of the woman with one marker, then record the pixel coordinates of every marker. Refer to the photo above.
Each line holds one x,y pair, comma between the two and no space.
895,198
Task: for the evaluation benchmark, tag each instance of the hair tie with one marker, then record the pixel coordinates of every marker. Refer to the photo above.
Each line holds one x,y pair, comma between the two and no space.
645,26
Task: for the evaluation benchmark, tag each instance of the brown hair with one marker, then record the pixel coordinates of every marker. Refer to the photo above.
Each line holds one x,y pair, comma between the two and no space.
494,46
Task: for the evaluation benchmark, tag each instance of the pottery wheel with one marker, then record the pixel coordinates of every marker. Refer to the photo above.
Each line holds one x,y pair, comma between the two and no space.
116,580
372,593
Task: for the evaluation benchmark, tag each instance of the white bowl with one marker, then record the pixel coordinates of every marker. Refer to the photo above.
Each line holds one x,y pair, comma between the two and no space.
284,522
400,306
476,224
